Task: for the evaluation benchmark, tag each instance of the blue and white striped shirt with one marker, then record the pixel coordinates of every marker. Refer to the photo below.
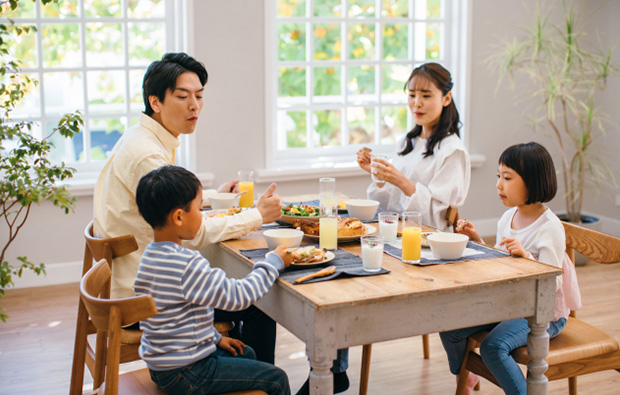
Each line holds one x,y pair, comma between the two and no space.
186,289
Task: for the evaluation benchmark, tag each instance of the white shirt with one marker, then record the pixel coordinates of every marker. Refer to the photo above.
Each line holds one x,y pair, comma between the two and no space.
142,148
441,180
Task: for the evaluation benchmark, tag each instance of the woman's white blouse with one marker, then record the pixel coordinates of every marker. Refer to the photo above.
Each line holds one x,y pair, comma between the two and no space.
441,180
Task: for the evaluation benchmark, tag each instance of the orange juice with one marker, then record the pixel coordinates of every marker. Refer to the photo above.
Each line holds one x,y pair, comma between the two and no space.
412,244
247,199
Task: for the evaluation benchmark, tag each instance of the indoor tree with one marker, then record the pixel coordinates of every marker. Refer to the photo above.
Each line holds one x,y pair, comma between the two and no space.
27,174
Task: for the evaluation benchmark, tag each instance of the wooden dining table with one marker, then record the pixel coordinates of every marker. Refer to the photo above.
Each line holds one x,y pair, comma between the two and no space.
410,300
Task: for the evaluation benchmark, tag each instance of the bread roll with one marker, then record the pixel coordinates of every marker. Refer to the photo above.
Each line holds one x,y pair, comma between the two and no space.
307,226
351,227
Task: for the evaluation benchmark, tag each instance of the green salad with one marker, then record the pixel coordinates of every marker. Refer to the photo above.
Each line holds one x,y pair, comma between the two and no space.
300,210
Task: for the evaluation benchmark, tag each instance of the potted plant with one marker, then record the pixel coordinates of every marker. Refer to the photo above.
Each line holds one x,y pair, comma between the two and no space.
566,78
27,175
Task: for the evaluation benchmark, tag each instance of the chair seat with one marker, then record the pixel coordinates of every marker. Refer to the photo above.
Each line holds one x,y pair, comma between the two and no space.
578,340
139,382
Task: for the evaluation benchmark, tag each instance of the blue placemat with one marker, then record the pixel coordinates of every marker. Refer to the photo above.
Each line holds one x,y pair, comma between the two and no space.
484,253
347,265
341,213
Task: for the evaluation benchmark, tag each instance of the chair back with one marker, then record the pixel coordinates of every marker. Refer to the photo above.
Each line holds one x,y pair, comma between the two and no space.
452,217
109,315
108,249
596,246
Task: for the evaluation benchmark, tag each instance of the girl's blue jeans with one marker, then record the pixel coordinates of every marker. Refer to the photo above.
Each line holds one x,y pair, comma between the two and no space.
495,350
222,372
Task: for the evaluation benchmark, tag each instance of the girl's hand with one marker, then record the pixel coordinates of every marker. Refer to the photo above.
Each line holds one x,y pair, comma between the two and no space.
514,247
468,229
363,159
231,345
385,171
286,256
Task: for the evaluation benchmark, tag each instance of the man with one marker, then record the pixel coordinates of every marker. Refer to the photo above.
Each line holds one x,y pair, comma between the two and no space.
172,90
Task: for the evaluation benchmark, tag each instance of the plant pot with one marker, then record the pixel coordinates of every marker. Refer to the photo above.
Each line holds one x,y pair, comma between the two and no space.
589,222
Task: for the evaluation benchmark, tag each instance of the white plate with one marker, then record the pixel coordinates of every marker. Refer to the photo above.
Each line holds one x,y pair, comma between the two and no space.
329,256
369,230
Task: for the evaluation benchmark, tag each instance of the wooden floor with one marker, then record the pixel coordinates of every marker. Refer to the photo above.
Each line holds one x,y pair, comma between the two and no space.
36,346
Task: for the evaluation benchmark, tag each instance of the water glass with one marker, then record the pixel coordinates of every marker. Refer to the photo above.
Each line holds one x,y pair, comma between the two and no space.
246,183
327,191
412,236
388,226
372,169
372,253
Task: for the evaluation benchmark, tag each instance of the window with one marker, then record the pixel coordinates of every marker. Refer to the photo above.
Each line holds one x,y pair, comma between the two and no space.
90,55
336,70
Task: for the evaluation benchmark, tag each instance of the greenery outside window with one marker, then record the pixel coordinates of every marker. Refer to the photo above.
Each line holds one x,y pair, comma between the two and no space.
90,55
336,70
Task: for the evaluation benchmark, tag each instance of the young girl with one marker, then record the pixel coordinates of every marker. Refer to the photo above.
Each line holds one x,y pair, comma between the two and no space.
525,180
431,170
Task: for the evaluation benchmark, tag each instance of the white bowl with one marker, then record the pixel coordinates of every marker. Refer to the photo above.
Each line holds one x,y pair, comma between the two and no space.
223,200
362,209
447,245
289,237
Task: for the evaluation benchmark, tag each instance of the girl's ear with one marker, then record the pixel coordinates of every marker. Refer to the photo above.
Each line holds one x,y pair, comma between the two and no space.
447,99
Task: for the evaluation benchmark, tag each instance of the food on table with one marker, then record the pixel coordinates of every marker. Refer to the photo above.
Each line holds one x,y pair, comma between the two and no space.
424,238
308,254
231,211
346,227
342,204
300,210
351,227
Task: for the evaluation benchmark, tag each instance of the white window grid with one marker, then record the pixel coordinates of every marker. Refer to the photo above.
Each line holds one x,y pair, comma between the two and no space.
176,38
453,55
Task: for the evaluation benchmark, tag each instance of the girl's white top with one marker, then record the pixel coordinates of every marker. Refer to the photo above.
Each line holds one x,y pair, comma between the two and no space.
441,180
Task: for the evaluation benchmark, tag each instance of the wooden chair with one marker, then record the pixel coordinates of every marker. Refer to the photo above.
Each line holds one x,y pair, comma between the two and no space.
580,348
97,249
452,216
109,316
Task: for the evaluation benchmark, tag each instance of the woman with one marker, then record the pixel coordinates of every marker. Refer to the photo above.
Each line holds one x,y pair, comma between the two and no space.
431,170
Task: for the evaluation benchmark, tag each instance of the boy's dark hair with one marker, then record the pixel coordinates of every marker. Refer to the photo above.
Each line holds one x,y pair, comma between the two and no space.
449,121
163,190
162,75
535,166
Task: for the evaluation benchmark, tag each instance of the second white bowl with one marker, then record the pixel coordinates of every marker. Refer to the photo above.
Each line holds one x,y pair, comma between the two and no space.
447,245
289,237
362,209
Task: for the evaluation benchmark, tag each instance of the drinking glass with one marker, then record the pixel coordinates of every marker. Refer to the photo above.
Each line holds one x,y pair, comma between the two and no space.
388,226
372,172
246,183
412,236
372,253
328,227
327,192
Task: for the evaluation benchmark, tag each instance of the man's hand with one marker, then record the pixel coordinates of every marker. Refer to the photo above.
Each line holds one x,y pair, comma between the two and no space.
231,345
269,205
229,187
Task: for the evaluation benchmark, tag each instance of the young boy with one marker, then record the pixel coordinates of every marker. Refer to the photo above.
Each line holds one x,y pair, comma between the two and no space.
180,346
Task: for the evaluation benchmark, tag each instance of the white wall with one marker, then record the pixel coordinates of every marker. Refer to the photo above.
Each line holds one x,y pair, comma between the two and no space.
230,134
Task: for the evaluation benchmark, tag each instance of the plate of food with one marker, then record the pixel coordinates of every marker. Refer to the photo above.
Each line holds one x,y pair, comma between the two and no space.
292,212
349,229
309,256
223,212
342,206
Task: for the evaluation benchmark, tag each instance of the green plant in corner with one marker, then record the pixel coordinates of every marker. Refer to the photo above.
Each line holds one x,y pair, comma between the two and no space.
567,78
27,175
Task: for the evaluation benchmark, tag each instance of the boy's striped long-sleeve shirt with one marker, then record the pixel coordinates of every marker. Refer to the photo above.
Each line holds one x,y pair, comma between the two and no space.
186,289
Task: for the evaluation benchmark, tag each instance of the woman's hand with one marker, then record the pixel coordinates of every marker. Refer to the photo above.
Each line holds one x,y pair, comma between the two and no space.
385,171
363,159
468,229
229,187
514,247
231,345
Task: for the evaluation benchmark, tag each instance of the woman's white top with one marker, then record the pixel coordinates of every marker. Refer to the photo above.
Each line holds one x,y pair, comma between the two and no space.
441,180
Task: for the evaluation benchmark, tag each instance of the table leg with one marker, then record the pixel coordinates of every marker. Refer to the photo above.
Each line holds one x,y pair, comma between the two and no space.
321,379
538,349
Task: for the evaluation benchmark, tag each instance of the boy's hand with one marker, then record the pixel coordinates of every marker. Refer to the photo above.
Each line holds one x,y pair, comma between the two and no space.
286,256
231,345
514,247
468,229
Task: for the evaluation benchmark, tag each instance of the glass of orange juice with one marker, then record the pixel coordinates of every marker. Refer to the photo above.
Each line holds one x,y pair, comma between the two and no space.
246,183
412,236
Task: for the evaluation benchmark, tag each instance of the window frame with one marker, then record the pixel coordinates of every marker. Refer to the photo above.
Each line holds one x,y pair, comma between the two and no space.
456,59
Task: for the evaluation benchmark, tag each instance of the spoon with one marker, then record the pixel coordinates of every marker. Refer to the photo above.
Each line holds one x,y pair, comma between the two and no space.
241,193
321,273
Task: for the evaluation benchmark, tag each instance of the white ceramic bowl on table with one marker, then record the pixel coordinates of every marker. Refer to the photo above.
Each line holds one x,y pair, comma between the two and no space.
362,209
220,200
447,245
289,237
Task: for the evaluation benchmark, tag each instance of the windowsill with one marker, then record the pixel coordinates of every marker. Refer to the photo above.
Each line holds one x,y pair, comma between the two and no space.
84,185
348,169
